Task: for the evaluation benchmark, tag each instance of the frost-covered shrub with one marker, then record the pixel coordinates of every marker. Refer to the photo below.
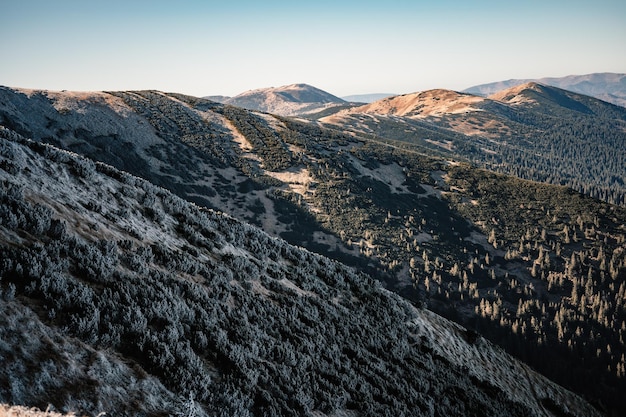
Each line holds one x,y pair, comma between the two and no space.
58,229
11,157
96,262
15,212
82,167
253,328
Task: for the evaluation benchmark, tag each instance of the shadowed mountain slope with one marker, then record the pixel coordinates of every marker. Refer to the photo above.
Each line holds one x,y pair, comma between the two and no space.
506,257
118,297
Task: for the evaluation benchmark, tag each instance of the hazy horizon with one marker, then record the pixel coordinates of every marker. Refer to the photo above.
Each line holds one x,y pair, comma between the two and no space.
345,48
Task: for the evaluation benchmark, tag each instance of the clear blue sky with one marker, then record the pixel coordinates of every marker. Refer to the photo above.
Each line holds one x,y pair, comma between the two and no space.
343,47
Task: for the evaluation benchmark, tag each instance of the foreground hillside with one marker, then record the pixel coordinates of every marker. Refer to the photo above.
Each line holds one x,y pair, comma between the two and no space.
118,297
538,269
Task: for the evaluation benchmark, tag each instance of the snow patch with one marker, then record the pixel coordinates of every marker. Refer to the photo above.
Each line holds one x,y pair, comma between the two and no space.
422,237
445,145
258,288
430,191
289,284
298,179
392,175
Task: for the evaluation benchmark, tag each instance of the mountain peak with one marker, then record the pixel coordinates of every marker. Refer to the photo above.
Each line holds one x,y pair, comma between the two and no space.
516,94
552,99
287,100
298,86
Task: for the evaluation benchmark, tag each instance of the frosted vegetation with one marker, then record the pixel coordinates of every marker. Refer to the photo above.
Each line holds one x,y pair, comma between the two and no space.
117,296
540,270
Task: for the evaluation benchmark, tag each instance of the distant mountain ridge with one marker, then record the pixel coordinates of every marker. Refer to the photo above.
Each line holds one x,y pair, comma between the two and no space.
610,87
421,104
367,98
487,130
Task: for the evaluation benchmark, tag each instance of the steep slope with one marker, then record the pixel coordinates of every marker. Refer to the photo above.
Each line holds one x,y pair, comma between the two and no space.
609,87
288,100
111,287
507,257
